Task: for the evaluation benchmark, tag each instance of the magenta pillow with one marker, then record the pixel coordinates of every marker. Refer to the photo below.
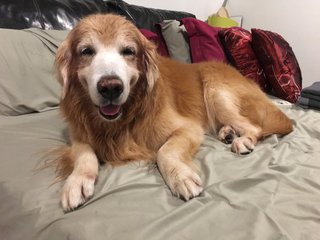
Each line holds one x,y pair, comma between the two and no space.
237,45
156,39
204,41
279,64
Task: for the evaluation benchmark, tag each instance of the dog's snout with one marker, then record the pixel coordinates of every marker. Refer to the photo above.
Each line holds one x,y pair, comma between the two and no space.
110,87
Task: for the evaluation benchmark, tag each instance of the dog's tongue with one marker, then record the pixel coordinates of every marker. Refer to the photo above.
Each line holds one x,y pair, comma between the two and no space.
110,110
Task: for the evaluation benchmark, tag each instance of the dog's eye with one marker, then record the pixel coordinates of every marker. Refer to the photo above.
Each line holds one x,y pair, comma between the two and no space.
128,51
87,51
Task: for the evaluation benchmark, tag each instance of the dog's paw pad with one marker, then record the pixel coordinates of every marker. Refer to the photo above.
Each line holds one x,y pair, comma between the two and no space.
229,138
227,134
242,145
76,191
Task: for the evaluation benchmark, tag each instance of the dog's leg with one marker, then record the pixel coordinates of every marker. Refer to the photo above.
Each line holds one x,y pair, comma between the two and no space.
256,121
175,164
248,136
236,128
241,134
79,186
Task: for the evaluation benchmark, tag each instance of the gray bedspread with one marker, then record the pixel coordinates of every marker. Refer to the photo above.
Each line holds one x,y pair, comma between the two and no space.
272,193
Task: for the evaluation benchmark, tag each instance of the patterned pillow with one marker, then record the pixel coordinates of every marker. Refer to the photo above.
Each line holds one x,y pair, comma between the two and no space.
237,45
204,41
279,64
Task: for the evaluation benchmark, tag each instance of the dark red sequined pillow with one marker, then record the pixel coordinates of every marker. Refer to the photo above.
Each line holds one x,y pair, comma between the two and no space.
279,64
156,39
237,45
204,41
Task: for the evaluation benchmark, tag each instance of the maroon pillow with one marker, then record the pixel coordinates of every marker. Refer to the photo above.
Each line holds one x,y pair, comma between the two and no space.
279,64
156,39
204,41
237,45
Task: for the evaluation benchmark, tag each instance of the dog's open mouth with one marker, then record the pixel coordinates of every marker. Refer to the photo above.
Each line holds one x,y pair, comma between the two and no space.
110,111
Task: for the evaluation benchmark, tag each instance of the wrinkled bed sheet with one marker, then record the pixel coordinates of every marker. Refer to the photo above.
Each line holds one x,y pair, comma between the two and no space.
272,193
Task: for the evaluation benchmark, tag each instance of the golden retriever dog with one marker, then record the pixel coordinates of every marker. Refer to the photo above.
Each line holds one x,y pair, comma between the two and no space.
124,102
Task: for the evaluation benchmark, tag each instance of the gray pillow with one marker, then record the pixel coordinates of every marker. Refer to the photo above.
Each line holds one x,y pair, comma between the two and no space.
27,79
176,39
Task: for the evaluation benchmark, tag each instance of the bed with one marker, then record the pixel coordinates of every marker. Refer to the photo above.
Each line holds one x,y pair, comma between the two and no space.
272,193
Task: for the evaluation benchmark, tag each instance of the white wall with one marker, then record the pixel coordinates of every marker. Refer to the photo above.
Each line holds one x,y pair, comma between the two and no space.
201,8
298,21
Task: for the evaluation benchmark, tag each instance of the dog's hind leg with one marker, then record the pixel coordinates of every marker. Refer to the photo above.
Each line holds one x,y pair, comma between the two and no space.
234,127
241,111
265,119
241,134
248,134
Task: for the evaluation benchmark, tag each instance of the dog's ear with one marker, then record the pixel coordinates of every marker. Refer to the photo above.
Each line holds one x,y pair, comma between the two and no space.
149,62
62,64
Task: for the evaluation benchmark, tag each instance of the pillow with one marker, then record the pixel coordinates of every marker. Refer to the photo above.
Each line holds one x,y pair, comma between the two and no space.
156,39
223,22
27,79
176,39
237,45
204,41
279,64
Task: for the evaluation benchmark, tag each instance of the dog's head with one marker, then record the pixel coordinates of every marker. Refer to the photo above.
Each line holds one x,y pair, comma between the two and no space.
108,55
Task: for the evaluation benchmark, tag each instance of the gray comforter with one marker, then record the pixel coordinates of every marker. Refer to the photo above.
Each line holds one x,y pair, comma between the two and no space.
272,193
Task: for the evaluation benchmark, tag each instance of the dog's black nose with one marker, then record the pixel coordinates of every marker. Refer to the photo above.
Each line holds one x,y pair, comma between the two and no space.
110,87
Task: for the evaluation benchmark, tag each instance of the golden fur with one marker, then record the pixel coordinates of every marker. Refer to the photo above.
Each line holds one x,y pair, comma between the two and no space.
169,109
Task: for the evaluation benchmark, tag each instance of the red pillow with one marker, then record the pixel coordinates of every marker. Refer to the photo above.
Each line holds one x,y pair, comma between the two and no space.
279,64
156,39
237,45
204,41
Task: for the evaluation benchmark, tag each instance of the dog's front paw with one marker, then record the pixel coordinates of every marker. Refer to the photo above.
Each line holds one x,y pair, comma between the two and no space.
184,182
242,145
77,189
